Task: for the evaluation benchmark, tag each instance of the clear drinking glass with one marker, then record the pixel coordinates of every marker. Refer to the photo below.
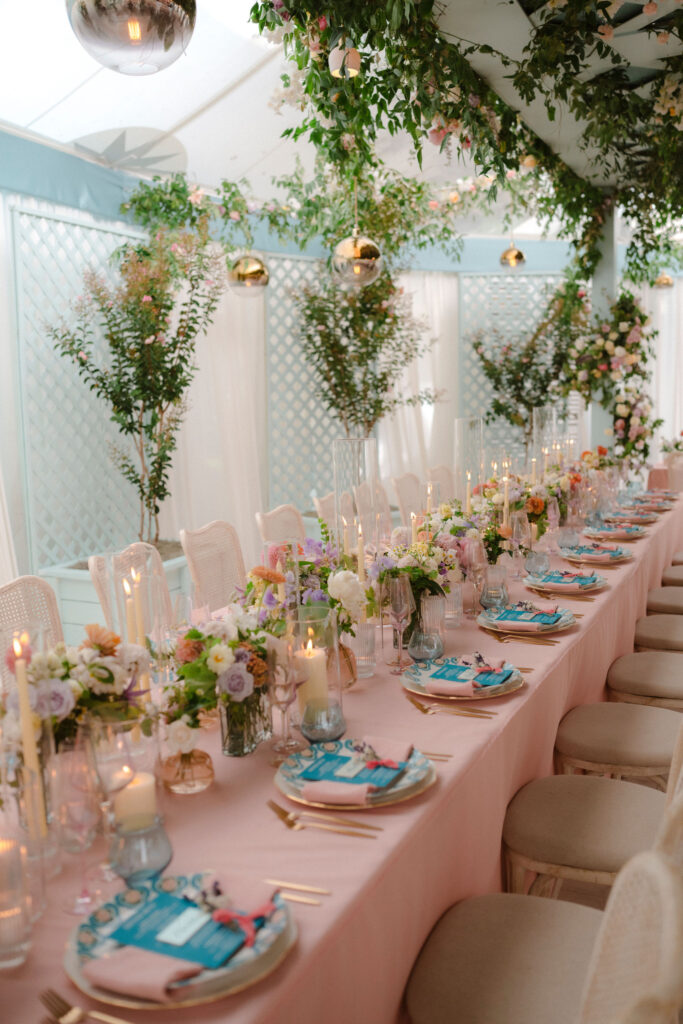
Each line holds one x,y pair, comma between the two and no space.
494,593
453,615
401,607
15,903
521,541
285,676
475,562
77,805
363,647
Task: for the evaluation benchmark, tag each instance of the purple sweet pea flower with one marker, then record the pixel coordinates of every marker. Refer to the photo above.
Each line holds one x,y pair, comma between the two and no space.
386,562
269,599
236,682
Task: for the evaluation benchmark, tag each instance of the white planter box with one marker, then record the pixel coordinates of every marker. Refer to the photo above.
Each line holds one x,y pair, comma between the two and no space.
77,600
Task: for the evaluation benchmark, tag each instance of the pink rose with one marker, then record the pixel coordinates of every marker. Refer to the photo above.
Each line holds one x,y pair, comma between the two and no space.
437,135
322,22
433,204
234,215
606,31
650,8
146,298
187,650
619,424
603,366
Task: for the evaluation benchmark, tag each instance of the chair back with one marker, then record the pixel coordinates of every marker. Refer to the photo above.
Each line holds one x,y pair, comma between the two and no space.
409,495
215,560
143,558
29,600
326,508
443,476
282,524
636,971
674,785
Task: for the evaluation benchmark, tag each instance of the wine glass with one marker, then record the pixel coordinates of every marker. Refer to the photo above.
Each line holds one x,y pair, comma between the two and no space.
76,796
521,541
284,679
401,607
115,768
475,563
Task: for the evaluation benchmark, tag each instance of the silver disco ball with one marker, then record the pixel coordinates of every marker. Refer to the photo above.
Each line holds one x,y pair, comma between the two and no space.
357,261
135,37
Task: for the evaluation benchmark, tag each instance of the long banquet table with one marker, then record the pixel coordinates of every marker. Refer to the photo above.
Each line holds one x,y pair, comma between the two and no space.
355,952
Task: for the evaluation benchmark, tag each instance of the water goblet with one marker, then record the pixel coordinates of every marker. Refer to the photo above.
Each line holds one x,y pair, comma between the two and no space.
494,592
77,804
521,540
284,678
401,607
475,563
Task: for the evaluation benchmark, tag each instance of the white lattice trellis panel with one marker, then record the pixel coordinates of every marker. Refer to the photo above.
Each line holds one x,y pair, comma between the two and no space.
300,430
77,502
508,301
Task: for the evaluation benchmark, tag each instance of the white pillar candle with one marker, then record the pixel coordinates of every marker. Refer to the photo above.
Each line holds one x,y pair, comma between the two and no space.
130,613
33,790
468,499
361,555
136,805
413,528
313,662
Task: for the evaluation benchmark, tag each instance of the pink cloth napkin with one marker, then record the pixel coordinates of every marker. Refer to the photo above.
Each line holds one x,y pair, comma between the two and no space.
219,612
446,688
137,972
388,749
601,554
330,792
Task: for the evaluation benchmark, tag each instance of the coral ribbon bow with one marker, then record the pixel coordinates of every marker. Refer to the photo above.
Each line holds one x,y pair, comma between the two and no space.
381,764
247,922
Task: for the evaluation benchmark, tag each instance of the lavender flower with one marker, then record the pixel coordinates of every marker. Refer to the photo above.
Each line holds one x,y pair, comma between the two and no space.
236,682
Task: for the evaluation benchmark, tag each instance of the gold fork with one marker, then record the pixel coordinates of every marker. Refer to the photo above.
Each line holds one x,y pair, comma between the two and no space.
291,820
66,1013
432,709
511,638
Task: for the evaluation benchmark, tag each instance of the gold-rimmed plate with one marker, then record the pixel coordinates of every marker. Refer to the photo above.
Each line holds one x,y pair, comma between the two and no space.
561,589
507,626
415,679
274,941
418,776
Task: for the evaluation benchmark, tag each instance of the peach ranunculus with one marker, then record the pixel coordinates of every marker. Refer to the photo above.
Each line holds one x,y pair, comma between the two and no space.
505,531
534,505
262,572
103,640
187,649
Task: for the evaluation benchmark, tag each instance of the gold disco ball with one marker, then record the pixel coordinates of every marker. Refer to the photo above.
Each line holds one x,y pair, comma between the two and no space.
512,257
247,275
133,37
357,261
664,281
344,61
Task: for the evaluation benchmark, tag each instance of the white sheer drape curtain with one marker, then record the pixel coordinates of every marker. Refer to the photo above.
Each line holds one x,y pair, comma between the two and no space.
8,559
417,437
665,306
220,464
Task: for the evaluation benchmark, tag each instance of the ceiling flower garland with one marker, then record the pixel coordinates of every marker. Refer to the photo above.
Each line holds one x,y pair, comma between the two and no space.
415,80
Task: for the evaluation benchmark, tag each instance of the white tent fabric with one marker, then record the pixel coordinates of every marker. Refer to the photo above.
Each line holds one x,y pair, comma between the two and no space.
666,309
417,437
8,560
220,464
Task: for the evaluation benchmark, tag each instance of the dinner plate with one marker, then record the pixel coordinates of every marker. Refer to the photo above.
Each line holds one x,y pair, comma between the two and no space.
418,776
248,966
615,533
566,553
650,506
415,679
567,619
560,588
637,518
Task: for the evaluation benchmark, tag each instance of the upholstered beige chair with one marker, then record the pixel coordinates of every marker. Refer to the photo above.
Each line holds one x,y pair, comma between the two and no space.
580,827
29,600
282,524
677,558
650,677
659,633
665,600
443,476
508,959
673,576
214,558
409,496
620,740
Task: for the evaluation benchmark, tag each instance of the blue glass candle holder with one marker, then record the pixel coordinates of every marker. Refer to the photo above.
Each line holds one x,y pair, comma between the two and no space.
140,850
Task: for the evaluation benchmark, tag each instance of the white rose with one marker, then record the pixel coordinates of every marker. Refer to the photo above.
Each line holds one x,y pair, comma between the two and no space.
180,736
498,498
579,344
472,533
609,347
612,336
620,351
565,483
345,587
583,375
220,657
624,327
407,562
623,410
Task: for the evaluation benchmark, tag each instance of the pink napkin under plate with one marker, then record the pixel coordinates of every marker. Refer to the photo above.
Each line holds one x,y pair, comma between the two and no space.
138,972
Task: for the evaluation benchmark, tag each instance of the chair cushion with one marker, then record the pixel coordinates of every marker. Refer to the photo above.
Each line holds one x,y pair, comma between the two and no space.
673,576
660,632
668,600
648,674
583,821
619,734
504,959
677,558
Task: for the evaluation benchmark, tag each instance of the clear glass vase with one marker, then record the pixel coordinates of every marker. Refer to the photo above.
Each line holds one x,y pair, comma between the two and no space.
245,723
187,773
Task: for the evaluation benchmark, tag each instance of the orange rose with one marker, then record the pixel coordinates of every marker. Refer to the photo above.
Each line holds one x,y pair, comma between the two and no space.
534,505
261,572
505,531
601,450
587,454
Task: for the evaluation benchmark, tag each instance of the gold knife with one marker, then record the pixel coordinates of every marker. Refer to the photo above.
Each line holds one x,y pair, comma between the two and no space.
291,820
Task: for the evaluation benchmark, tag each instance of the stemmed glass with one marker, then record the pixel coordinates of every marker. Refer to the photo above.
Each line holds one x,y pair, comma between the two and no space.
521,539
401,607
553,513
77,804
284,679
475,562
115,768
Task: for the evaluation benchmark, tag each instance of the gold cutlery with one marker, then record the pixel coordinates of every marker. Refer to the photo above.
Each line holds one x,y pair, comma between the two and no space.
291,820
291,897
433,753
298,886
510,638
349,822
547,596
433,709
66,1013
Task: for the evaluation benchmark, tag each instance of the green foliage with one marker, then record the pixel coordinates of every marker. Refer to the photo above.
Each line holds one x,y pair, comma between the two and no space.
359,343
167,293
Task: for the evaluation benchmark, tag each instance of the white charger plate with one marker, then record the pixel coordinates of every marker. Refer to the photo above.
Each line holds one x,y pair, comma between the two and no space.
415,680
560,588
566,621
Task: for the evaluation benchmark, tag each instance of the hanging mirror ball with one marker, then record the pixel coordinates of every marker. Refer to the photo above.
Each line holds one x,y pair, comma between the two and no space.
357,261
134,37
248,275
512,257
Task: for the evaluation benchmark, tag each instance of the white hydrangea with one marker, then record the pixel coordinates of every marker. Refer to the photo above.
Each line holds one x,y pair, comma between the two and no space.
345,587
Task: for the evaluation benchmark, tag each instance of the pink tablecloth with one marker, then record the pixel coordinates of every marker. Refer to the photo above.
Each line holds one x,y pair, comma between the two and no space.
354,954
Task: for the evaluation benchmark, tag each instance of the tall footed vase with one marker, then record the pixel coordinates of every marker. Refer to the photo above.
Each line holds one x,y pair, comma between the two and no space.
245,723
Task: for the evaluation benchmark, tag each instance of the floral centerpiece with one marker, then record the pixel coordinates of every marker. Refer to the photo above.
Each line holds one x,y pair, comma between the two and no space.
66,684
675,446
222,663
424,562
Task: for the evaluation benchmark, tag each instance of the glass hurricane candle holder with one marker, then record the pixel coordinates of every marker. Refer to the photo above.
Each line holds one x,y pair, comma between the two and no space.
15,903
316,650
140,850
355,487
